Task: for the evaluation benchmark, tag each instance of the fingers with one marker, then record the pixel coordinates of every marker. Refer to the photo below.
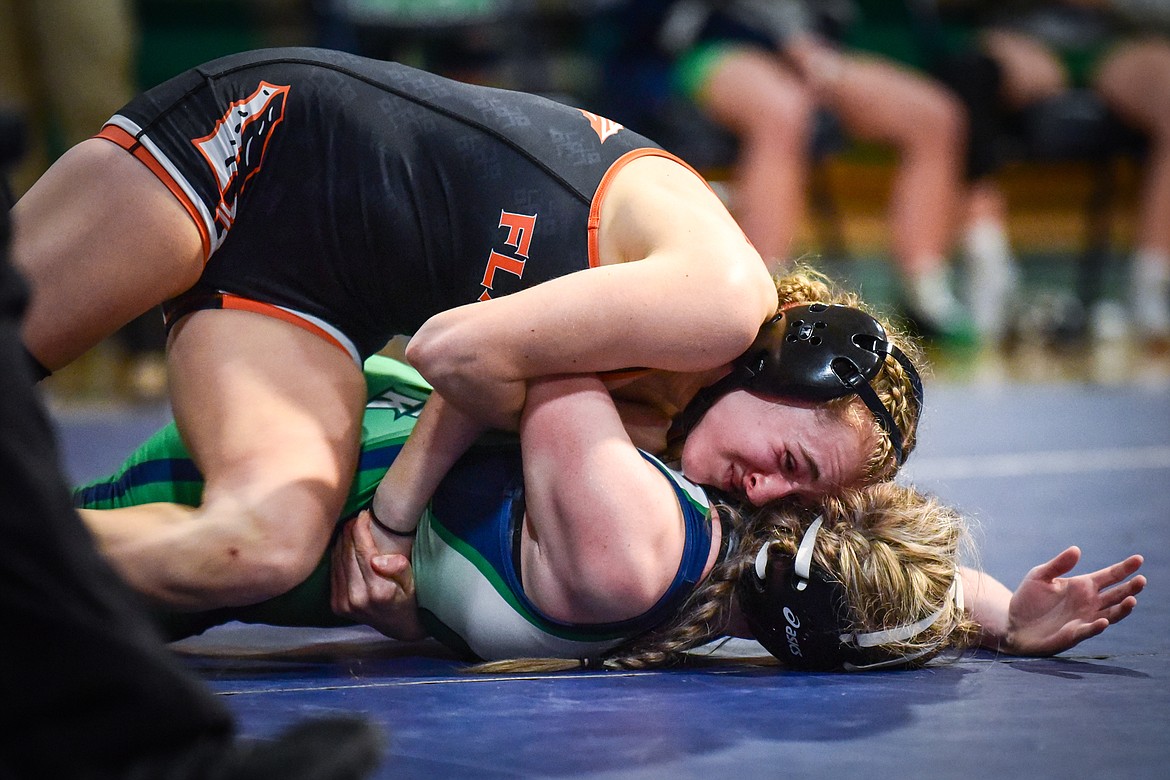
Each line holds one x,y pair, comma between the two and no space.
1073,634
396,568
389,566
1117,602
1059,566
363,538
365,581
346,575
1111,575
1092,629
1116,593
1120,611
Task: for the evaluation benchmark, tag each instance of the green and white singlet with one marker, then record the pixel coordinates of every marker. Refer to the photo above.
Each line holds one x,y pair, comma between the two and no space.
466,555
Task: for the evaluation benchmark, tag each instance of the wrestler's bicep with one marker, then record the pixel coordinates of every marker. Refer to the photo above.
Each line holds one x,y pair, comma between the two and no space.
604,529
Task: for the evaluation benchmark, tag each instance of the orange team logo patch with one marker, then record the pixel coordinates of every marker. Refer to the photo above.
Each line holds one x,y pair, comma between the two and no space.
235,148
602,126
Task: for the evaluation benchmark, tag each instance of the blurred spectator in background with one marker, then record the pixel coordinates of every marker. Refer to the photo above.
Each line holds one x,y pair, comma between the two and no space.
66,66
1121,49
942,40
762,69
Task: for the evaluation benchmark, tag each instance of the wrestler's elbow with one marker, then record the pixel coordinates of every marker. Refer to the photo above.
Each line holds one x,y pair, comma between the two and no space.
467,371
741,277
456,346
437,352
606,592
735,311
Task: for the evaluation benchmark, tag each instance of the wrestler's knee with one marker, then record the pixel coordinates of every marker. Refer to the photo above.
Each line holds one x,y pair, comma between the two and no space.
269,546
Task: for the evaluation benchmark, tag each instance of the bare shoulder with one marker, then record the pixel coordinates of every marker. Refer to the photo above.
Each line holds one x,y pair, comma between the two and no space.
657,203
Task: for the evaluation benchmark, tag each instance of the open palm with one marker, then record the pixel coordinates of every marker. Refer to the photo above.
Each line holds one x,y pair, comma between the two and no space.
1050,613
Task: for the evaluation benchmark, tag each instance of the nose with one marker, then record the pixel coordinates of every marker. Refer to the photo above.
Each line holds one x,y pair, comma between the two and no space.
765,488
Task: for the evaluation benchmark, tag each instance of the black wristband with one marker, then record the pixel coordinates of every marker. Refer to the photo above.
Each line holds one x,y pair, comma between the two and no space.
392,531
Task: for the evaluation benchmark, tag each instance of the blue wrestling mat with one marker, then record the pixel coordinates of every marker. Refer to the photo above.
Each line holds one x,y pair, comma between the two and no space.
1036,466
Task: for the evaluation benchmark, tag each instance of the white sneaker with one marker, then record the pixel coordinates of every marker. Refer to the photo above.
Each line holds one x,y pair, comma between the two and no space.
992,280
1150,296
935,311
991,297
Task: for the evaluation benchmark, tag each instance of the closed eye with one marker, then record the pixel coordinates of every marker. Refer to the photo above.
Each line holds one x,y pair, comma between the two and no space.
788,465
813,470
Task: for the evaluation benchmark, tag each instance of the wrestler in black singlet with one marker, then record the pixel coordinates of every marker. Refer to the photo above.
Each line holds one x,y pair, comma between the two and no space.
365,196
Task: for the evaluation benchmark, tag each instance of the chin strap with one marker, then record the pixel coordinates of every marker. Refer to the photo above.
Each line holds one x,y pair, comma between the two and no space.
848,373
903,633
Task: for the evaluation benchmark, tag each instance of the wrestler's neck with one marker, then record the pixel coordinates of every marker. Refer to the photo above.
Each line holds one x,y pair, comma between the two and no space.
668,392
649,404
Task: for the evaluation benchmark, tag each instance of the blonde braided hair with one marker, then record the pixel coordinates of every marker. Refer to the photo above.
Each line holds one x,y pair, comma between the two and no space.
896,554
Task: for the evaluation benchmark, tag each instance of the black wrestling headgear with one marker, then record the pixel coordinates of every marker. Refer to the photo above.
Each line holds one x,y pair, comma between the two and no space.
799,613
815,352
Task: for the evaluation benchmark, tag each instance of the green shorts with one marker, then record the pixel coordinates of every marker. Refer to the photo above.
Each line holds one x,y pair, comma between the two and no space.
693,70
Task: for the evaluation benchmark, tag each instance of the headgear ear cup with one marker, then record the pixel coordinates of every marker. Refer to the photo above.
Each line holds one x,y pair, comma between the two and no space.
793,608
814,352
800,614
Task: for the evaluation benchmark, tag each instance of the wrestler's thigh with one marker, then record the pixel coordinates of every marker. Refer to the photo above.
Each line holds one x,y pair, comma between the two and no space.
272,416
749,87
100,240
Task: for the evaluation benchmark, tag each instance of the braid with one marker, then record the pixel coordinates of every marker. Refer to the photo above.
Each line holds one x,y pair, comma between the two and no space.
895,390
804,284
704,617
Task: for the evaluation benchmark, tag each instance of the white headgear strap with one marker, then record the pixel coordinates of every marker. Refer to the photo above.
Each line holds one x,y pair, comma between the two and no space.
802,568
802,565
903,633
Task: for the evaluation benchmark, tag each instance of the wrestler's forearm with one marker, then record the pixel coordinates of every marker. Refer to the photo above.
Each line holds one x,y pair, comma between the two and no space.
653,313
183,561
443,433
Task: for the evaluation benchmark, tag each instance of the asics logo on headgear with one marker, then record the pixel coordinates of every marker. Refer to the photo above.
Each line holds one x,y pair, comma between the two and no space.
790,631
